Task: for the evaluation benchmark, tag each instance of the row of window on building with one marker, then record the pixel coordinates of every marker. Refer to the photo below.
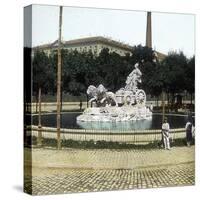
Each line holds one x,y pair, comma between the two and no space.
94,49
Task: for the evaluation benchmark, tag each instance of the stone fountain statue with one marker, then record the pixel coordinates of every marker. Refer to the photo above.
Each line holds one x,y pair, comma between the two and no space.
100,95
127,104
133,79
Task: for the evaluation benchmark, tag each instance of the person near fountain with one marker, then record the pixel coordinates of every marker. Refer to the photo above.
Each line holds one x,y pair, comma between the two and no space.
189,130
165,134
151,107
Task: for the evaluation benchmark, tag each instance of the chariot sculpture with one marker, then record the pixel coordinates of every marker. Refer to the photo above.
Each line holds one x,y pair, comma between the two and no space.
131,94
128,103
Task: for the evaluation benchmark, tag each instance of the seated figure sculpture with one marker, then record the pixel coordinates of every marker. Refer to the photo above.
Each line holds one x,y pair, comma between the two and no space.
130,94
133,79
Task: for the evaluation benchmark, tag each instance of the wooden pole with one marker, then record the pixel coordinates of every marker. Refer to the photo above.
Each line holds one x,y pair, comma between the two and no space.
39,139
59,80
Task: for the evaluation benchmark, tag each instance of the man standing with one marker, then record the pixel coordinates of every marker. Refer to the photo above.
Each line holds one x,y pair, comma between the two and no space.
165,133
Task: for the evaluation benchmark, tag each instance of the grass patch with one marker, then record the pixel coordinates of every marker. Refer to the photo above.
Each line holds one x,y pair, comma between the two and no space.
102,144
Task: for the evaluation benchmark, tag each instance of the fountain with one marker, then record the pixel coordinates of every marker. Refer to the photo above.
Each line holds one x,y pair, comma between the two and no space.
127,104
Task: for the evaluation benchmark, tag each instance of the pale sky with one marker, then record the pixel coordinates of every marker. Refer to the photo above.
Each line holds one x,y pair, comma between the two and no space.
170,32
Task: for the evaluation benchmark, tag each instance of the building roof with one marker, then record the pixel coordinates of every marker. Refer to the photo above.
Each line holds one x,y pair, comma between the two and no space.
97,39
161,56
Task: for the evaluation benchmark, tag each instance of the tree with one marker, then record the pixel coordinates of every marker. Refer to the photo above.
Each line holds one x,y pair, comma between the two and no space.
111,70
151,73
190,77
78,71
173,73
41,74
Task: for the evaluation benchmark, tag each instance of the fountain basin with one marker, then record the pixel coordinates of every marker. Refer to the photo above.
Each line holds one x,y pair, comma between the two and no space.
68,120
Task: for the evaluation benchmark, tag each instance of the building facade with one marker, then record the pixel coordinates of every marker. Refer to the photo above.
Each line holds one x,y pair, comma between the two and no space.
93,44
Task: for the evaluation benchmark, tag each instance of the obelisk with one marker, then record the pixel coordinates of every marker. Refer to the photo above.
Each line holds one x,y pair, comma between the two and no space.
148,31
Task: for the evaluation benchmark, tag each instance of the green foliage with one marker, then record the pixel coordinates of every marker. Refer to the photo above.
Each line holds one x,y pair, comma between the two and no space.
43,74
177,74
81,69
190,76
151,72
173,72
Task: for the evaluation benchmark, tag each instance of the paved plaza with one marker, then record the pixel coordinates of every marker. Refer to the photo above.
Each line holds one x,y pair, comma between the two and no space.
76,170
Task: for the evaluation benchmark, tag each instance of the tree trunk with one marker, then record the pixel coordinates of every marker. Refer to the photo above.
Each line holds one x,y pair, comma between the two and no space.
39,139
36,105
168,102
163,106
191,98
185,102
59,81
157,101
173,102
61,96
173,99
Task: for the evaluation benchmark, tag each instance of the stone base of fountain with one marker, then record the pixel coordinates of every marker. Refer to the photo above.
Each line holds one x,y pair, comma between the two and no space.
116,114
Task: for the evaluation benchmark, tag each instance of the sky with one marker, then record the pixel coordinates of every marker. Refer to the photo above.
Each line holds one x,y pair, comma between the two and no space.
170,31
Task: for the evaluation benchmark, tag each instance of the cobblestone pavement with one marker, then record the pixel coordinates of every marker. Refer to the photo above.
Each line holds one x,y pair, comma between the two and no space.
125,169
